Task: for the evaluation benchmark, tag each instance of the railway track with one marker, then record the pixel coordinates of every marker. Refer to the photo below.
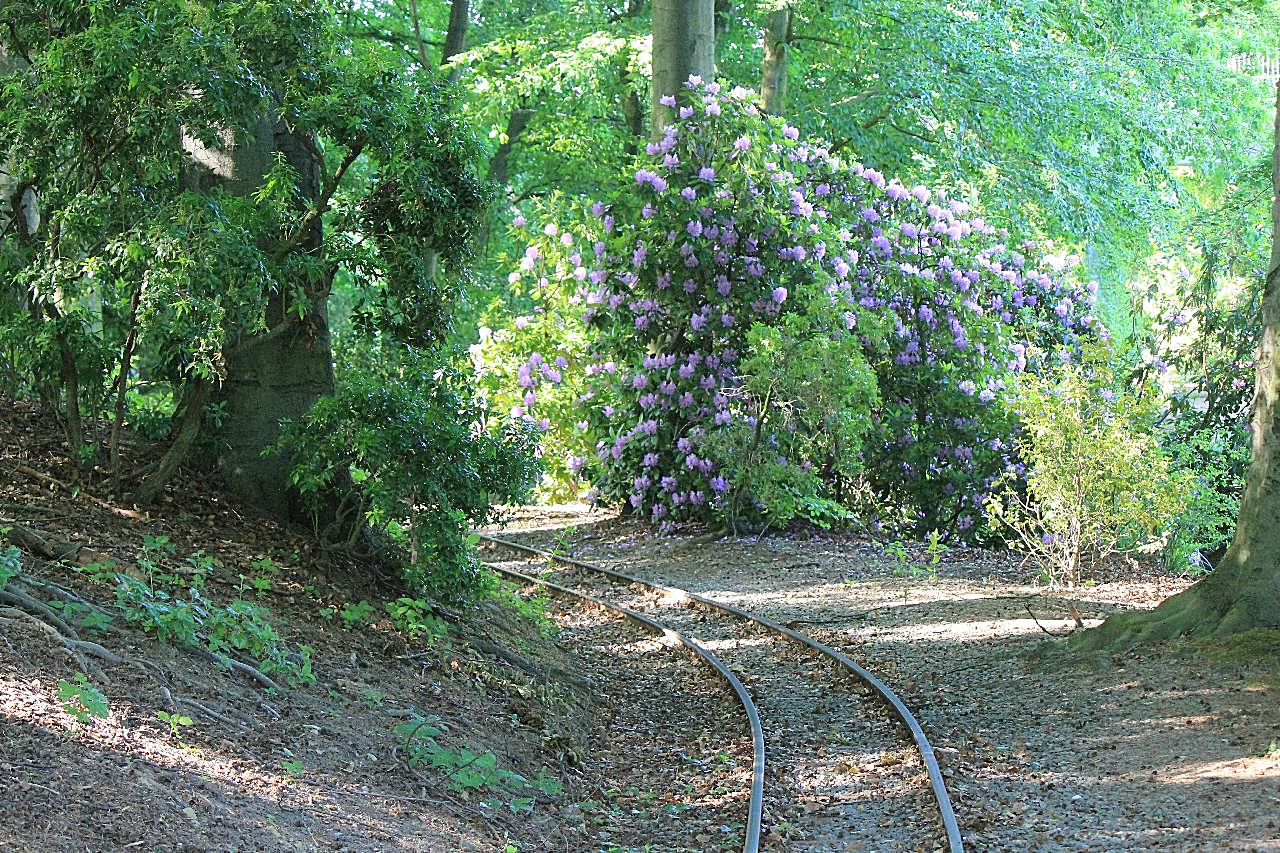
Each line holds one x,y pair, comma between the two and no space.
816,716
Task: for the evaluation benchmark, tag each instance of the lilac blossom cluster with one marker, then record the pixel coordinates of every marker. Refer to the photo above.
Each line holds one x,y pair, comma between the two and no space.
734,221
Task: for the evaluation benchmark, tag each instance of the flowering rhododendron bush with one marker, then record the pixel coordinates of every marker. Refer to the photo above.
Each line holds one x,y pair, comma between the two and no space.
646,308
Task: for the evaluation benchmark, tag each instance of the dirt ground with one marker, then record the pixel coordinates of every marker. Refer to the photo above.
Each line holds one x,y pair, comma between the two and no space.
325,766
1173,748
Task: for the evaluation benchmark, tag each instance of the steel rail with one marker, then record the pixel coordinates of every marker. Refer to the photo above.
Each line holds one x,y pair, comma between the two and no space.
936,782
755,807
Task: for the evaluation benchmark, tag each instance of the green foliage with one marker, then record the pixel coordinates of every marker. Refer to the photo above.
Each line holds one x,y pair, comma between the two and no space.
532,609
423,469
414,618
1096,480
466,770
1213,461
356,614
10,561
239,627
82,700
811,394
263,577
176,723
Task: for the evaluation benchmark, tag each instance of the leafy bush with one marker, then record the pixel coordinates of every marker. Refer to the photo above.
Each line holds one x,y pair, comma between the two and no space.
1096,481
735,222
414,618
409,455
1214,461
82,700
466,770
808,396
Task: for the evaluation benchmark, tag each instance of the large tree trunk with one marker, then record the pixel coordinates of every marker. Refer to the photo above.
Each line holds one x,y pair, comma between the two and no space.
777,47
500,166
280,378
1243,592
684,45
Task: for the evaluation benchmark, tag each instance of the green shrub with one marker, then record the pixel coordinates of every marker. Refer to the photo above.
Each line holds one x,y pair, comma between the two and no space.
810,393
410,456
413,617
240,627
82,700
1214,460
1097,483
465,770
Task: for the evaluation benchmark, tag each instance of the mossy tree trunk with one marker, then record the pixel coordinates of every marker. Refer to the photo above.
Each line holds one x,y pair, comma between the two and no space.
1243,592
684,45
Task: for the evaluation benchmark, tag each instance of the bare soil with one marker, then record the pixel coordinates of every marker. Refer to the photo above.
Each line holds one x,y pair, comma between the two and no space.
629,727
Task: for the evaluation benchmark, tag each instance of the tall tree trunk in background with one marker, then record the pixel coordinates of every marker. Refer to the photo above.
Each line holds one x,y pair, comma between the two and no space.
724,17
777,47
455,38
1243,592
500,166
632,110
684,45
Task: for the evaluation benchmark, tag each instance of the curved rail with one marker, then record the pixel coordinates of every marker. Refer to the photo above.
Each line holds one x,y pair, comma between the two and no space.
755,807
936,782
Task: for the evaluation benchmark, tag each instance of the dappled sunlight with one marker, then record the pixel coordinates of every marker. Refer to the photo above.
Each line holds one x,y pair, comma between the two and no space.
736,643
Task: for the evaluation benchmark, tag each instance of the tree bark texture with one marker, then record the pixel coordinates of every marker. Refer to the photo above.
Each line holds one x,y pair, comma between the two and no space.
280,378
632,111
455,38
282,375
500,166
1243,592
777,49
684,45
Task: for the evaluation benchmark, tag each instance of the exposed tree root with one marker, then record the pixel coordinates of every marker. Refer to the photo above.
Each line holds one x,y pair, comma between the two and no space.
1190,613
76,648
244,669
79,493
20,599
65,594
528,667
41,544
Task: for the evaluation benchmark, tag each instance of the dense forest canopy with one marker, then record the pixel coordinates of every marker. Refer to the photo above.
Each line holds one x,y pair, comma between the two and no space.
992,272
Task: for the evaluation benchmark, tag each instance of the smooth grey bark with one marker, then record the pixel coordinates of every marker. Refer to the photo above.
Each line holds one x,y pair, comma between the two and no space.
1243,592
684,45
273,377
773,75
